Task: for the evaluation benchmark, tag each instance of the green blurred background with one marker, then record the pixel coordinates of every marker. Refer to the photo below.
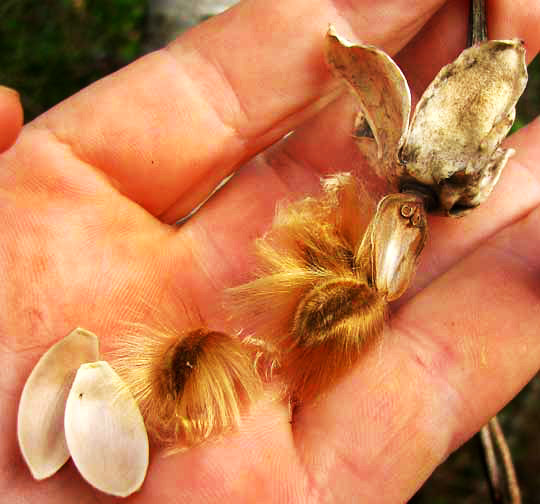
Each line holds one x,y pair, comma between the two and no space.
52,48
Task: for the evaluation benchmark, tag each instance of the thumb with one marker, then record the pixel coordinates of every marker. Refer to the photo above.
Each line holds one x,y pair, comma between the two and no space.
11,117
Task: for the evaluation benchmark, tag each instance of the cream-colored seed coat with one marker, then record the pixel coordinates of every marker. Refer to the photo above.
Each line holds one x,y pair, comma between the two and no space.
105,431
40,422
72,405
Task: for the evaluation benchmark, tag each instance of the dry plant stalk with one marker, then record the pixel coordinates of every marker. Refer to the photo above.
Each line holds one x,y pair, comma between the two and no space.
502,479
189,386
324,283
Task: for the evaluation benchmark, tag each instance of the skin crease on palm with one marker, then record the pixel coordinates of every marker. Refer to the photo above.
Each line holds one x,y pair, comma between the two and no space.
89,190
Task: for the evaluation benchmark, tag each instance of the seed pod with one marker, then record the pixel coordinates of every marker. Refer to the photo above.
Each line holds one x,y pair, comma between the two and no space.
40,422
105,431
452,146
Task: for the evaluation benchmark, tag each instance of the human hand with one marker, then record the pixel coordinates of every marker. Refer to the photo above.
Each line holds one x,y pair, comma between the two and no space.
90,189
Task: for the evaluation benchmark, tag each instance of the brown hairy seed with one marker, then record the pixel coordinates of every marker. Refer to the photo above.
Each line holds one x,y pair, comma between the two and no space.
313,297
189,386
331,326
329,265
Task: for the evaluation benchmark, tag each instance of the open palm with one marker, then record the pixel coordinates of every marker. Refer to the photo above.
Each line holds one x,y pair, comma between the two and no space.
90,191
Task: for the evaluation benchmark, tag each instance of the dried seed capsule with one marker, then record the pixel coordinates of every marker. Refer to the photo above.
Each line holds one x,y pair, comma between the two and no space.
383,93
460,121
452,146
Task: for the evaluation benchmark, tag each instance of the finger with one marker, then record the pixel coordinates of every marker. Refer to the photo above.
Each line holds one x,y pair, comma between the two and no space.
261,451
11,117
167,128
453,357
444,36
518,19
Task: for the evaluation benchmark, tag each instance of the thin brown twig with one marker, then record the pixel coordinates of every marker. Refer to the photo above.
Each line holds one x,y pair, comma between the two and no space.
502,478
492,467
477,22
508,465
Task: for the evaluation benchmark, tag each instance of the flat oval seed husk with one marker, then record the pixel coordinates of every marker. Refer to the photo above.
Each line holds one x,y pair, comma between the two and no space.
382,90
398,235
40,422
105,432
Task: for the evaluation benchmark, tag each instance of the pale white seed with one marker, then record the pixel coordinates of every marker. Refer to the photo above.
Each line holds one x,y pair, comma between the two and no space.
105,431
40,422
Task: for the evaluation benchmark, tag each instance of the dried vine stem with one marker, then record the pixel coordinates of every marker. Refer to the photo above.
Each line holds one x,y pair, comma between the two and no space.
494,446
490,459
477,22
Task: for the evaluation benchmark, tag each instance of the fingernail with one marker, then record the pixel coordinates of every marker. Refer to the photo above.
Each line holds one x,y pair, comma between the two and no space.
5,89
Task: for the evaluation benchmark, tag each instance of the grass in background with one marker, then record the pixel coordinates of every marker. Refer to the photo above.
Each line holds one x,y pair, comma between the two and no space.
52,48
